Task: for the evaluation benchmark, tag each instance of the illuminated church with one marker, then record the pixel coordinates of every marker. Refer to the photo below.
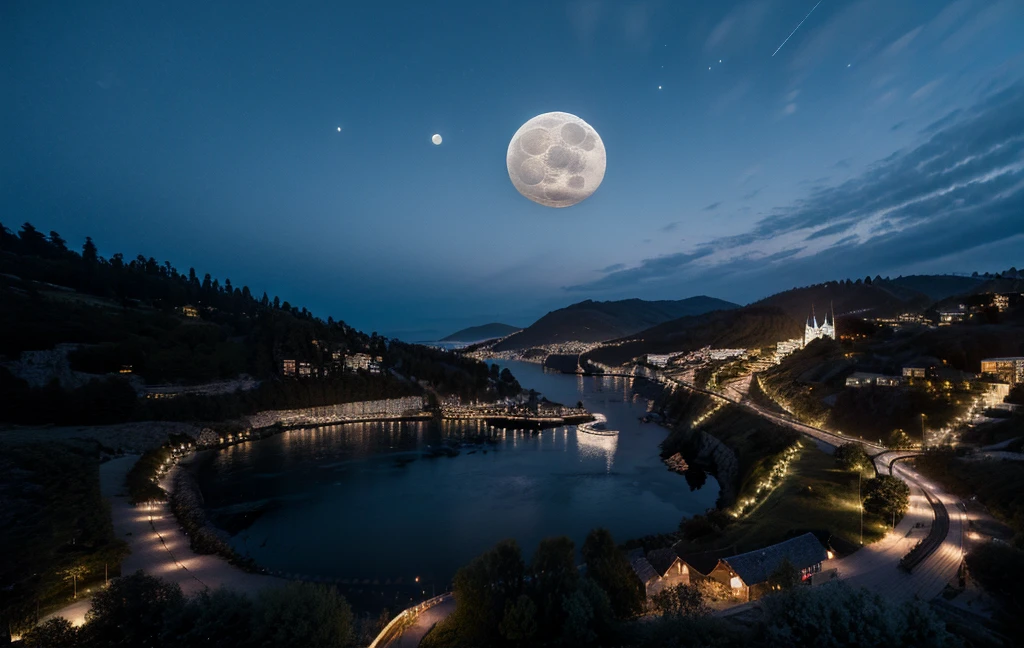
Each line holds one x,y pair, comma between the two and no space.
813,332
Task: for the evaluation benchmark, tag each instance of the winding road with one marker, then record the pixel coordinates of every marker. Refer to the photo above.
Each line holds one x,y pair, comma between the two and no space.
935,519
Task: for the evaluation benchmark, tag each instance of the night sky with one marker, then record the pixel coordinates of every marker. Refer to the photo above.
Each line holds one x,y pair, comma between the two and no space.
883,138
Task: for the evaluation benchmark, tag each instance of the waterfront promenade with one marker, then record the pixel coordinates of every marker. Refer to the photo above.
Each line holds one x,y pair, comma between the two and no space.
158,545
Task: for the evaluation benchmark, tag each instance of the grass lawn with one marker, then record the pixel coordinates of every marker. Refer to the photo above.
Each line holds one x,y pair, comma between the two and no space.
815,496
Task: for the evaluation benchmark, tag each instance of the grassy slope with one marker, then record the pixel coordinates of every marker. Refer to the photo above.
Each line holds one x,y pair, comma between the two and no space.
814,496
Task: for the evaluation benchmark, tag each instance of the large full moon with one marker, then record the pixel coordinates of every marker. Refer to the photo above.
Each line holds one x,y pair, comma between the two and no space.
436,139
556,159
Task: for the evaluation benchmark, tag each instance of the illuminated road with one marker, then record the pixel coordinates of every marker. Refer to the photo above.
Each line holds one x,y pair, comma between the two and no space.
876,566
159,547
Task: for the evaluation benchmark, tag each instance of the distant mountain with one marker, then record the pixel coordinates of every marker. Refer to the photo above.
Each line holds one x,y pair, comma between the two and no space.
482,332
849,298
591,321
748,328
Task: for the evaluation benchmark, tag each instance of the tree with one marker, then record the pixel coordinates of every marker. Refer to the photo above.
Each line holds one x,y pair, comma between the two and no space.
838,615
59,244
898,440
851,456
301,615
886,495
610,569
222,618
54,633
132,611
577,628
32,240
74,574
554,577
681,601
519,624
786,576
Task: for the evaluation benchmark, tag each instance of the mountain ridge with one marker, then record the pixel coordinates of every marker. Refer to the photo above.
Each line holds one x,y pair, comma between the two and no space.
591,321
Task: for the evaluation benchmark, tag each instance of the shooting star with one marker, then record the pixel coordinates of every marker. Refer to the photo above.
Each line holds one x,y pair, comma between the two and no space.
797,27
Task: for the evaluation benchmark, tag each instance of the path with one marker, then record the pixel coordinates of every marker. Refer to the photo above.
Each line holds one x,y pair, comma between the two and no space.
159,547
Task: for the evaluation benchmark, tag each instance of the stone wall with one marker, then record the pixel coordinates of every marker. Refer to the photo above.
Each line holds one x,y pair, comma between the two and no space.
330,414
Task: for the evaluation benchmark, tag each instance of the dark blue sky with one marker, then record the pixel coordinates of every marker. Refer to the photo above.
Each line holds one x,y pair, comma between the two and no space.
884,137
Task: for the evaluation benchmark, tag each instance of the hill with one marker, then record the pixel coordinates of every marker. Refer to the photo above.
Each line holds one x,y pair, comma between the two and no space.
848,298
109,329
591,321
482,332
935,287
749,327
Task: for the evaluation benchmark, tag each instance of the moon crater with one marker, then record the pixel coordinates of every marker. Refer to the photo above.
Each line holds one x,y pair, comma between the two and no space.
556,159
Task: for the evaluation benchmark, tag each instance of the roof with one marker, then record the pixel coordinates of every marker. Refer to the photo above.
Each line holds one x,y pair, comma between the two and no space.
756,566
1013,359
662,559
706,561
641,567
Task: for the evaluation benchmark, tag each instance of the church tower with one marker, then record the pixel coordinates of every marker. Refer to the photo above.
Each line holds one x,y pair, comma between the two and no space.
812,331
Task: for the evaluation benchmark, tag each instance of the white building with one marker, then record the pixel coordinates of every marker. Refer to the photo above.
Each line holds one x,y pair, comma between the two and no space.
814,332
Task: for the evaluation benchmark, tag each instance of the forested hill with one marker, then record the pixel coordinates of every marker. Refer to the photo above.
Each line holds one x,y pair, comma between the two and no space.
482,332
131,323
860,297
591,321
750,327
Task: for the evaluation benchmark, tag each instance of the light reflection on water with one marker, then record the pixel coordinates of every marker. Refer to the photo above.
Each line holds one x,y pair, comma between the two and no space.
362,501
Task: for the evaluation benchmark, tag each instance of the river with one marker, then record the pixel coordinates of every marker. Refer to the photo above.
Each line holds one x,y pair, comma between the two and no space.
360,504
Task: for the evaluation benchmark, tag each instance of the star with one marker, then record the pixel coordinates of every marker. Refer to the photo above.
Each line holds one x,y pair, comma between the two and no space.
719,60
339,129
849,64
659,87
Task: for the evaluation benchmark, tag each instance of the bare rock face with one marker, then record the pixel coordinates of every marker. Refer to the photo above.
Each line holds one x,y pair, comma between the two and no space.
40,368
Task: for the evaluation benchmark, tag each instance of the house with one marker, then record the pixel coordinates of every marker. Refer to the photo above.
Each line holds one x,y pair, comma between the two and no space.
1009,370
670,568
288,367
190,311
860,379
747,574
645,572
919,368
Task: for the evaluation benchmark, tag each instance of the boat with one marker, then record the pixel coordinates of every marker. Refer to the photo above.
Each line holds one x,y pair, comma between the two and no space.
597,427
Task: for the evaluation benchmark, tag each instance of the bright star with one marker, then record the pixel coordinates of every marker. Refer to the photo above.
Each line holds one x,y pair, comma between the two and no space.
659,87
339,129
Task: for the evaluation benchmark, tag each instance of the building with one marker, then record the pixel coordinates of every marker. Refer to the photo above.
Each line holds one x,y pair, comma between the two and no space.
658,360
288,367
1009,370
190,312
919,369
747,574
646,573
305,369
670,568
814,332
947,317
861,378
1001,302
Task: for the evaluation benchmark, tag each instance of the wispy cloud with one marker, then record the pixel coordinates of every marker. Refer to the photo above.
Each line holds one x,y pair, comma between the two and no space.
926,89
713,206
902,42
961,188
670,227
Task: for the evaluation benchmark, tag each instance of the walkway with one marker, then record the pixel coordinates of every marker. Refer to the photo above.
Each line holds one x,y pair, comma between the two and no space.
159,547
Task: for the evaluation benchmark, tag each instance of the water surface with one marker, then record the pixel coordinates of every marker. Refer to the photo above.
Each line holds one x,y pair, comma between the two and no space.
360,501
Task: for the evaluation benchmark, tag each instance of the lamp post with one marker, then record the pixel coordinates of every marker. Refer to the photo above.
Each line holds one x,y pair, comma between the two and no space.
860,506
